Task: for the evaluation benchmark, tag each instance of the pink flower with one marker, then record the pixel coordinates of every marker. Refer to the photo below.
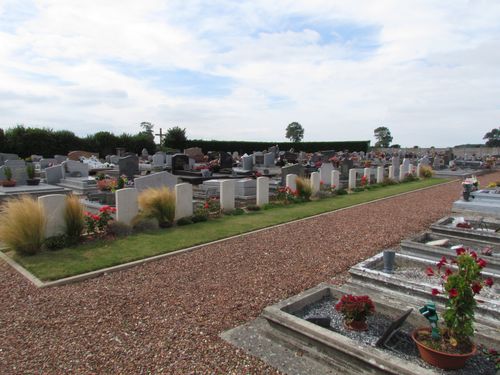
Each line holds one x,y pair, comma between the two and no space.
453,293
488,281
481,263
448,272
473,254
435,292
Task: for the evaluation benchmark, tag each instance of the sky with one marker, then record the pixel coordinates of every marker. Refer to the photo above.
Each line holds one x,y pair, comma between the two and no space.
243,70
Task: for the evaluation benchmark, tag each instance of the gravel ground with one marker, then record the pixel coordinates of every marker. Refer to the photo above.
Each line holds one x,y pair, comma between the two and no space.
165,316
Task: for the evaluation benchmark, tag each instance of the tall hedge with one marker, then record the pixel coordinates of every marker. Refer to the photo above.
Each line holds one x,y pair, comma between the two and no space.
249,147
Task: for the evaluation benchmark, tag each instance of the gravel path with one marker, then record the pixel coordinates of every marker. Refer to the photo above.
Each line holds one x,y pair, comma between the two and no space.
165,316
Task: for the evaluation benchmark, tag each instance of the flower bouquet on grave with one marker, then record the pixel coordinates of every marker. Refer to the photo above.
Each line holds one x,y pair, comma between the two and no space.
450,346
355,310
469,185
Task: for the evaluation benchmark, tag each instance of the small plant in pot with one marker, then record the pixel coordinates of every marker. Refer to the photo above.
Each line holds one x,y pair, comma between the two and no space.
30,171
450,346
355,310
8,181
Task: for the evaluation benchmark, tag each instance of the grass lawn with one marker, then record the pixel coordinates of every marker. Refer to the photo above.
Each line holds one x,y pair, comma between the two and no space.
53,265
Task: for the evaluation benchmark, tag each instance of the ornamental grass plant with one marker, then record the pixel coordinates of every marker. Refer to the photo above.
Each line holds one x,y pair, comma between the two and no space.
158,204
73,217
22,225
304,188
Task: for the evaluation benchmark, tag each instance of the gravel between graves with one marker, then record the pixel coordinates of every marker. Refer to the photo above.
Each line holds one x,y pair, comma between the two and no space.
165,316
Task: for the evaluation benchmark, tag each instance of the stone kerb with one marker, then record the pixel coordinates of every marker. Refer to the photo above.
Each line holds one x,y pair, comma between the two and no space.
183,200
227,195
352,178
127,206
53,206
291,181
335,179
315,182
262,191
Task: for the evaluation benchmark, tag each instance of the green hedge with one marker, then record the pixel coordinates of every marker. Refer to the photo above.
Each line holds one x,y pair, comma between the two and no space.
249,147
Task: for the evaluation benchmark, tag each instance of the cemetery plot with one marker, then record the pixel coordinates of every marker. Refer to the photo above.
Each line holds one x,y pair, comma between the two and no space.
475,228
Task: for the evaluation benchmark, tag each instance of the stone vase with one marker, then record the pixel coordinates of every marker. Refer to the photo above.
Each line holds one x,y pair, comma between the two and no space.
389,260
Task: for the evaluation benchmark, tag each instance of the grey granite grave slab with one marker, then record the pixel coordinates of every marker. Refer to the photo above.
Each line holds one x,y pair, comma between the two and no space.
128,166
156,180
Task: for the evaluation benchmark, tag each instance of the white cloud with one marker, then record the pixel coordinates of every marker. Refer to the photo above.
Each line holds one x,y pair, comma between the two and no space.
427,70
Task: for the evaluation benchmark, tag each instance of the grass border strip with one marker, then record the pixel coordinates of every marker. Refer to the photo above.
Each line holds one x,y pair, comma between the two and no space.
93,274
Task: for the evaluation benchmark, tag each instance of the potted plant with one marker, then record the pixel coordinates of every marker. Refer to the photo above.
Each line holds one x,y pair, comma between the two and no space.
355,310
30,171
8,182
450,346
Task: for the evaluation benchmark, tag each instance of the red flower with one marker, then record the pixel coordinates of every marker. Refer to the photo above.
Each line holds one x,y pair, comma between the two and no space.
488,281
481,263
104,208
95,217
205,205
476,288
453,293
448,272
473,254
435,292
460,250
429,271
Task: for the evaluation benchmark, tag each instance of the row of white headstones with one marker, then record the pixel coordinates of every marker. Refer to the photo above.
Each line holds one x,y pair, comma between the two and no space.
127,204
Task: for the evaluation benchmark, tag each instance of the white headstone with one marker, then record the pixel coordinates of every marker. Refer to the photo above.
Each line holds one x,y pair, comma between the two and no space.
159,160
291,181
380,174
325,173
352,178
183,200
366,173
402,173
262,191
391,172
335,179
419,170
54,206
315,182
227,195
127,206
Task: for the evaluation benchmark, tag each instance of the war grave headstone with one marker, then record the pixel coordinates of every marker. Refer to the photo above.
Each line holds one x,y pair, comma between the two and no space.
183,200
156,180
262,191
227,201
128,166
325,172
127,206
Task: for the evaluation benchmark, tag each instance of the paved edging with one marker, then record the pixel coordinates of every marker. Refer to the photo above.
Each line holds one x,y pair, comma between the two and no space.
92,274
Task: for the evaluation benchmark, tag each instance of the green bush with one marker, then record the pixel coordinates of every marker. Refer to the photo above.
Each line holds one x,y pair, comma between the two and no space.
119,229
144,224
253,207
184,221
341,191
56,242
358,189
388,181
235,212
410,177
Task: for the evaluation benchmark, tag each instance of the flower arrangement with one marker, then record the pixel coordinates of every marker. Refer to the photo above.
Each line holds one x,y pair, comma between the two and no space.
460,286
364,181
471,181
286,195
107,184
212,205
355,308
96,224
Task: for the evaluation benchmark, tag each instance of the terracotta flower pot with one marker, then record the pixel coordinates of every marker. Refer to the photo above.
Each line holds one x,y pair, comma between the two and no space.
445,361
356,325
9,183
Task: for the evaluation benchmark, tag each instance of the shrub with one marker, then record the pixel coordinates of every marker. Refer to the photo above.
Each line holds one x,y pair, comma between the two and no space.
56,242
341,191
286,195
144,224
73,217
99,223
22,225
426,171
410,177
388,181
358,189
304,188
235,212
158,204
30,171
253,207
119,229
184,221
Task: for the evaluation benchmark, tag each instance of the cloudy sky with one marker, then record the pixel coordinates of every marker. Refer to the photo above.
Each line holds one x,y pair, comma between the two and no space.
243,70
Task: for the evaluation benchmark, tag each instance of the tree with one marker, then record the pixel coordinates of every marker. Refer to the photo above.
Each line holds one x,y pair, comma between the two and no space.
175,138
148,129
383,136
493,138
294,132
2,139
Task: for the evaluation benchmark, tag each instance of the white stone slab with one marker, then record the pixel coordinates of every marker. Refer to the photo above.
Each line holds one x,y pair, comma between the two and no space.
315,182
352,178
325,173
183,200
262,191
54,206
227,195
391,172
380,174
335,179
127,206
291,181
442,242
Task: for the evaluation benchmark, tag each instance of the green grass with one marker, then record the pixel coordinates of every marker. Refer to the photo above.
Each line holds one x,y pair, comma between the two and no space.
53,265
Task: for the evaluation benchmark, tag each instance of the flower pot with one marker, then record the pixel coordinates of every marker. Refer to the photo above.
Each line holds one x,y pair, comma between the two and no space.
356,325
33,182
443,360
9,183
389,258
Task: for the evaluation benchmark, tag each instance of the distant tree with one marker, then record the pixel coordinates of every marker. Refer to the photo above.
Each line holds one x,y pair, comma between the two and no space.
147,129
175,138
294,132
383,136
2,139
395,145
493,138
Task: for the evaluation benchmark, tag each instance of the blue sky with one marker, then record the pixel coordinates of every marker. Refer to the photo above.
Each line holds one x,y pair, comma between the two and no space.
428,70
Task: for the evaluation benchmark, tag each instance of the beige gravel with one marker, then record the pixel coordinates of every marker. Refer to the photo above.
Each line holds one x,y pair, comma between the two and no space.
165,316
